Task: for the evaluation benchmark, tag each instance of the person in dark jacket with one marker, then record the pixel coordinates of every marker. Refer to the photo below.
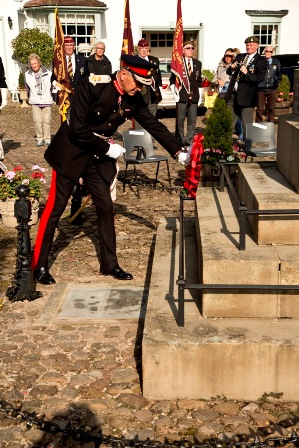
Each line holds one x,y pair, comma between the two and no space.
98,63
247,72
3,86
83,149
77,70
151,93
267,89
187,103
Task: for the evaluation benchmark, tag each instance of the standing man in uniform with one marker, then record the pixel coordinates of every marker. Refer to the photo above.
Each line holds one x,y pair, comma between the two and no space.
247,71
187,102
98,63
267,89
83,148
77,71
151,93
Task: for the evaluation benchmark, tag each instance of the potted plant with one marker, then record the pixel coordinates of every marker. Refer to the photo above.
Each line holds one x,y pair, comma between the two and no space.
22,90
218,143
9,181
284,97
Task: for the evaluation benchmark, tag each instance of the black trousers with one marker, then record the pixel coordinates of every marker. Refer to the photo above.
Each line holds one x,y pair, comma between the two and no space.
60,192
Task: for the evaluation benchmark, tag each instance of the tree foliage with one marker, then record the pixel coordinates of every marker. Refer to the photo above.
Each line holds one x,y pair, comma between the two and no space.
218,132
32,40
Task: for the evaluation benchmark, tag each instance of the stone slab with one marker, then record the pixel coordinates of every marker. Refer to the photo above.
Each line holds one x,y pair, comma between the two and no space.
288,149
239,358
76,303
289,274
224,263
263,187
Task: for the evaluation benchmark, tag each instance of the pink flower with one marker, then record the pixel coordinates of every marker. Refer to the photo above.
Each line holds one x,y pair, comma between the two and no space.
10,175
38,168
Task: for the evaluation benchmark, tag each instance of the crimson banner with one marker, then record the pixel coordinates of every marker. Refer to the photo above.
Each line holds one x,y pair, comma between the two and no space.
177,62
128,46
60,70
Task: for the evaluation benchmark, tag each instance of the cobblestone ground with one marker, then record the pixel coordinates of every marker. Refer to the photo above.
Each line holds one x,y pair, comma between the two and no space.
90,374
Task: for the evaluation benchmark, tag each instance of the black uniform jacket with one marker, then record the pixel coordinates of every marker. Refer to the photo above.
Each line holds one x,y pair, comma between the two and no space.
102,67
2,79
195,84
248,84
152,93
81,71
100,109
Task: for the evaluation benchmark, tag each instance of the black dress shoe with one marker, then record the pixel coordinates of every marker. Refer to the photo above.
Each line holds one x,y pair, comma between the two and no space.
42,276
120,274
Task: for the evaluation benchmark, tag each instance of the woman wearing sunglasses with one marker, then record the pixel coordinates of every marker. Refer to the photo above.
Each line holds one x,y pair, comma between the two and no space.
221,77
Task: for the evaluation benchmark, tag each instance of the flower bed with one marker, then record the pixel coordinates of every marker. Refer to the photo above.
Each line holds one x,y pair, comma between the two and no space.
11,179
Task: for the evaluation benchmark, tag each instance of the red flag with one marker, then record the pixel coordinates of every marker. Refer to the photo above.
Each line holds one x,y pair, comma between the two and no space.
128,46
177,62
60,70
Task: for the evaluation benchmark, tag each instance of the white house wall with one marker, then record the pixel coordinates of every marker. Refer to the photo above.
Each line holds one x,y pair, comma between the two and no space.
223,25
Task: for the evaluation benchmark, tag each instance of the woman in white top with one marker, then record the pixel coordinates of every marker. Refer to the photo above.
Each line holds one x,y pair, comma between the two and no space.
38,84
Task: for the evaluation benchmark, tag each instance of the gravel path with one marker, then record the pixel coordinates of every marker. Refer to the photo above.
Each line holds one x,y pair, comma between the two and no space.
90,374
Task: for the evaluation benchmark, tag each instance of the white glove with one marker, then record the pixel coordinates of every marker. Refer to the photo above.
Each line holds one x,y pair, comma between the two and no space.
56,85
183,158
4,97
175,95
115,151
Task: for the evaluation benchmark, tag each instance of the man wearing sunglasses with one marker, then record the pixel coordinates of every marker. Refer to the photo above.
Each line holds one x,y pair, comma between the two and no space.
267,89
187,102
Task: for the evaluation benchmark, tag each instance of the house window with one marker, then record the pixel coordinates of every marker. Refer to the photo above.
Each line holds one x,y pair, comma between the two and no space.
81,27
161,40
42,23
268,34
266,26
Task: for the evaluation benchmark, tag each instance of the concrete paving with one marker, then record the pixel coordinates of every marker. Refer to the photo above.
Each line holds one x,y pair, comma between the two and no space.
90,371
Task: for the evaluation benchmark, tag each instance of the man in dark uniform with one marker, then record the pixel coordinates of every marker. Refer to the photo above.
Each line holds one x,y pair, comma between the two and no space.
83,149
151,93
77,70
187,102
247,71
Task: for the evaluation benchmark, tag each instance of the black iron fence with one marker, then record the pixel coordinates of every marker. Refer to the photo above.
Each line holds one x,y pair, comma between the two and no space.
224,288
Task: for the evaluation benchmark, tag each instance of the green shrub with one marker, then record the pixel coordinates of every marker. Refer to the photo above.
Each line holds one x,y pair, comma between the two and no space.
218,141
208,74
21,81
31,40
283,89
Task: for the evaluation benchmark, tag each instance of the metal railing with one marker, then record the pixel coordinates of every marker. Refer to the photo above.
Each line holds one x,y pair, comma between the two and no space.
225,288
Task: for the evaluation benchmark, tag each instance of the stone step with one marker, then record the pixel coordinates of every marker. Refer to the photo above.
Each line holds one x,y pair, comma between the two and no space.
262,187
223,263
238,358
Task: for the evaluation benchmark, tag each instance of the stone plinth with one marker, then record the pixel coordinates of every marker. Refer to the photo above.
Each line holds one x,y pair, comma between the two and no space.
288,148
239,358
263,187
